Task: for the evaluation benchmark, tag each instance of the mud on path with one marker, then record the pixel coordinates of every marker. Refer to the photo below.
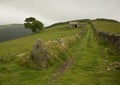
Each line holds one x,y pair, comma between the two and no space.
60,70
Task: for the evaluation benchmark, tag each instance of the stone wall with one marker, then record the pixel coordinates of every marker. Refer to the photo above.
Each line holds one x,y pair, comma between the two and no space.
108,37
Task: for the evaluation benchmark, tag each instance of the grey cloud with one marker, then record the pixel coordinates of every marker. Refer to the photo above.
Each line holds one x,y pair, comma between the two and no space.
50,11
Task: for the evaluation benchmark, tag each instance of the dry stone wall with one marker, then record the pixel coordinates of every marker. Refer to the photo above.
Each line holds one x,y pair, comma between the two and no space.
108,37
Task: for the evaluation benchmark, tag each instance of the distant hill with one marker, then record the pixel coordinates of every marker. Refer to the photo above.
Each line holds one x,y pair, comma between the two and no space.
107,20
107,25
13,31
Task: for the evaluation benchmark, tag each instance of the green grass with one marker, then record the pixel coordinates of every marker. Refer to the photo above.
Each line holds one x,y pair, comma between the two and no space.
22,45
88,67
12,73
107,26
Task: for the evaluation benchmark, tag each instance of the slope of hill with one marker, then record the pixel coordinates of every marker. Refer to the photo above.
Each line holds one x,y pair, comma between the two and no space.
10,49
91,60
107,25
12,31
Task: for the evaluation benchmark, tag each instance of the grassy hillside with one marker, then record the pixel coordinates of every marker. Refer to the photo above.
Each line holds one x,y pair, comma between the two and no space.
25,43
11,72
12,31
67,22
107,26
90,65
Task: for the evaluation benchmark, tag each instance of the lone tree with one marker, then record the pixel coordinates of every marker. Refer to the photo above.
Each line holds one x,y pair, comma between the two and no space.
33,24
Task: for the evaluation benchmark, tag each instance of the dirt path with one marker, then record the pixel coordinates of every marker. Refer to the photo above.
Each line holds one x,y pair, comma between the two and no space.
60,70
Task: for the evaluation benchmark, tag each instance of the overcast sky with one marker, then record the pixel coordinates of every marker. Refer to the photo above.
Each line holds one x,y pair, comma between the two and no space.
51,11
